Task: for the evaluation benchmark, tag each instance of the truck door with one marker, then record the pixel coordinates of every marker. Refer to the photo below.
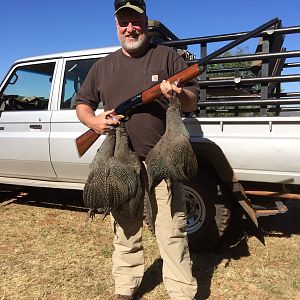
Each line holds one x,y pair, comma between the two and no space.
25,121
65,126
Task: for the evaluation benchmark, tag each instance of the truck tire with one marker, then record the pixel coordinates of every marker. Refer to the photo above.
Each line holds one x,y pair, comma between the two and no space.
209,211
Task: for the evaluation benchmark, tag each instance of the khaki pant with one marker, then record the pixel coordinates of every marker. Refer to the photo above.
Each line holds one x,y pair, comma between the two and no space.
170,229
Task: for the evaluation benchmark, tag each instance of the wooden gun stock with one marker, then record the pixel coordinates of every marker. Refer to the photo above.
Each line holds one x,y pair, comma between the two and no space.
86,140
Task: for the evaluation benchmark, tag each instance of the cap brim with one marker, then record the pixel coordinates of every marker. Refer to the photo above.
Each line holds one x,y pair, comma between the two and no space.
128,5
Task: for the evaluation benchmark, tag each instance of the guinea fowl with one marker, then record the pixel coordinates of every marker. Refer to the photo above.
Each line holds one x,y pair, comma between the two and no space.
172,157
116,176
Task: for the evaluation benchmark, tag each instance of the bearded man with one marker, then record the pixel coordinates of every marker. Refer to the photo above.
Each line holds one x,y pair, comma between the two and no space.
134,68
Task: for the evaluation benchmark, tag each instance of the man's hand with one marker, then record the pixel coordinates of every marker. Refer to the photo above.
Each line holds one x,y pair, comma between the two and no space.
168,88
99,123
187,98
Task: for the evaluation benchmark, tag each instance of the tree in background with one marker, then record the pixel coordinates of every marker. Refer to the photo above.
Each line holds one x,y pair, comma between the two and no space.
242,66
230,70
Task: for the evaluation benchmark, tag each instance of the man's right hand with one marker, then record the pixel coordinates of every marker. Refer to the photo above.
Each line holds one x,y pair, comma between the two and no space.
99,123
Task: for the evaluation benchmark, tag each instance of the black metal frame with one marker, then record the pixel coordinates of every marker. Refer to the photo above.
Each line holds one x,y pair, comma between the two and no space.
262,100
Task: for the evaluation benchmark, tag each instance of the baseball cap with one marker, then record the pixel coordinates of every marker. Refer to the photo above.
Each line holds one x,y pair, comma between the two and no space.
137,5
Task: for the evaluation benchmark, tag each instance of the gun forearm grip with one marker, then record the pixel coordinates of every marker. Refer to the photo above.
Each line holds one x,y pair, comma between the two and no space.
184,76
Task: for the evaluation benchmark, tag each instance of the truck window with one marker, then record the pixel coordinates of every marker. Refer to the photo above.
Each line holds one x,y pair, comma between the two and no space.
75,73
28,88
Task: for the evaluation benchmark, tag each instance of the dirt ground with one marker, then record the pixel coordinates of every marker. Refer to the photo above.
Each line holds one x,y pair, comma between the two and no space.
50,249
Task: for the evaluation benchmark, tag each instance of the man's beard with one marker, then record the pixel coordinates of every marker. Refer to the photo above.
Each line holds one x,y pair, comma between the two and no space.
134,46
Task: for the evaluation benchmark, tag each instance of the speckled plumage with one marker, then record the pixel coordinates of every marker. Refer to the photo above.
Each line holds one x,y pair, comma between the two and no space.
172,157
115,176
98,177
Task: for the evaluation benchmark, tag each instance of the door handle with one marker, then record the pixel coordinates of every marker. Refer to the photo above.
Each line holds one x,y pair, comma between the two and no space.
36,126
1,128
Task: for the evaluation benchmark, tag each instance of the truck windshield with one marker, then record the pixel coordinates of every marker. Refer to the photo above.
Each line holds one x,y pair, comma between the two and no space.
29,87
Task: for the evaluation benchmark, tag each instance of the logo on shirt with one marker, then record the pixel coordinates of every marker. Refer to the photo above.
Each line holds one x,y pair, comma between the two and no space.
154,78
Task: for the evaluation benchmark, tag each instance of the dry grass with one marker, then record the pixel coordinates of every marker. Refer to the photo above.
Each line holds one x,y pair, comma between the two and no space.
53,251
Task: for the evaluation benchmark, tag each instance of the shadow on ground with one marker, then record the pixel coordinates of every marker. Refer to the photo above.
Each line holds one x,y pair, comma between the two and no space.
42,197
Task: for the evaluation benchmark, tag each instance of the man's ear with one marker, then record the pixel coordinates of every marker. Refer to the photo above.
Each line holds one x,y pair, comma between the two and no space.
146,20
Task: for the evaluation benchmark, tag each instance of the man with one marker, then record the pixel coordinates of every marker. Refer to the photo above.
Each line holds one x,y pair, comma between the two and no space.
137,66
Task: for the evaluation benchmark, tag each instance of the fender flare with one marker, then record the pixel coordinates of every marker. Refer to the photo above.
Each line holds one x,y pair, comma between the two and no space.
209,153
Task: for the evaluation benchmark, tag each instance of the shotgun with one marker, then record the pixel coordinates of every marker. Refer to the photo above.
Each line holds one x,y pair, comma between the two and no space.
86,140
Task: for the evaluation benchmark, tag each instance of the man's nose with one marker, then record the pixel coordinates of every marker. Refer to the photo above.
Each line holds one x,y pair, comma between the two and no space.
130,27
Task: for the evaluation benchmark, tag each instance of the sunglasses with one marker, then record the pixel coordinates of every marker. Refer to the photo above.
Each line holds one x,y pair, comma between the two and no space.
139,3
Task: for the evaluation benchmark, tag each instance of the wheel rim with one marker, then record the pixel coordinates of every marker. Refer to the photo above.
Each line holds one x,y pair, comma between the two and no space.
195,209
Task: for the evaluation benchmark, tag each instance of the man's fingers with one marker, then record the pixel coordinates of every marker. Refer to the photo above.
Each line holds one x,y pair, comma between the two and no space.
177,82
178,90
109,113
167,88
112,121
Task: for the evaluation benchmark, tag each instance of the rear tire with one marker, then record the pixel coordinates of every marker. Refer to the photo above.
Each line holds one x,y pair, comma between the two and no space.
209,211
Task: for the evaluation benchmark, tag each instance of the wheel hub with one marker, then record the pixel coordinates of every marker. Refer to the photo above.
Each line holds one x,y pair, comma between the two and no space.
195,209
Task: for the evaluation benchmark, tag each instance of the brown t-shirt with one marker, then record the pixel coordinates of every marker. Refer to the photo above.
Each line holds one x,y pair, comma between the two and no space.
117,77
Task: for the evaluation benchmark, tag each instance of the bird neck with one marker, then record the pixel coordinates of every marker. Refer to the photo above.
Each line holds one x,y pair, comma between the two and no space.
173,118
108,146
122,141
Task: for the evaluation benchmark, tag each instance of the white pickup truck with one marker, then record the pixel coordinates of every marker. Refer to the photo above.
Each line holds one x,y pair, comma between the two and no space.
246,132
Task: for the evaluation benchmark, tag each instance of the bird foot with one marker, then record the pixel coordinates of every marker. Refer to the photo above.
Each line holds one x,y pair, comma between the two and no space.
93,211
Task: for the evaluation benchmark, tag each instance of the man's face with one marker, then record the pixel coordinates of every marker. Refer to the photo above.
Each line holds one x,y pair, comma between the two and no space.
132,30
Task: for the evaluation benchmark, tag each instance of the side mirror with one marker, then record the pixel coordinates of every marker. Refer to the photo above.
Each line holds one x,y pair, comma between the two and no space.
13,79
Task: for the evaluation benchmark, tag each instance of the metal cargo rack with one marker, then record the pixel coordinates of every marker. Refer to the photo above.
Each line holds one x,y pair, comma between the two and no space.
252,90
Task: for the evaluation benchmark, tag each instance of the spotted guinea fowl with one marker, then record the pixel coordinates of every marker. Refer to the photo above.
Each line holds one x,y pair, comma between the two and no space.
115,177
172,157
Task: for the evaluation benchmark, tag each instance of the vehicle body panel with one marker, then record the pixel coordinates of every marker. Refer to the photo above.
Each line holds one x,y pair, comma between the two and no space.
258,149
65,127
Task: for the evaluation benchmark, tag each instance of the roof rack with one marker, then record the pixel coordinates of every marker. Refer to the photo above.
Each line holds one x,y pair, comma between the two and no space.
254,88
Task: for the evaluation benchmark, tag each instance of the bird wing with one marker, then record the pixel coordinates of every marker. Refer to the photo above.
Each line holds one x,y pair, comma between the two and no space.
181,160
94,192
156,166
105,151
140,177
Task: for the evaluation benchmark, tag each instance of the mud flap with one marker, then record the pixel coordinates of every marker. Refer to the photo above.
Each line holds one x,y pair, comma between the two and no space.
239,194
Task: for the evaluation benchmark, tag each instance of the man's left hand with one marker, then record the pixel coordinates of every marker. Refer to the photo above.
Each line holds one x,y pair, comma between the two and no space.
167,88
